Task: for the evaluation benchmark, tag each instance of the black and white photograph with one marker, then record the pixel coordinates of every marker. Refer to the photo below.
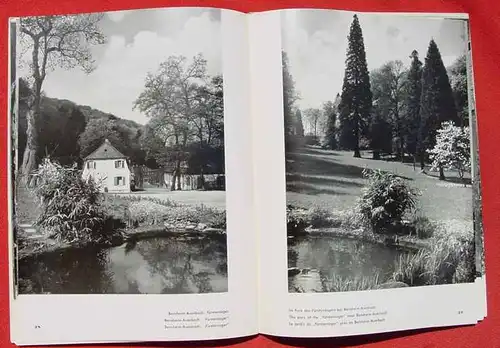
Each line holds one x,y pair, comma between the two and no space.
382,171
119,158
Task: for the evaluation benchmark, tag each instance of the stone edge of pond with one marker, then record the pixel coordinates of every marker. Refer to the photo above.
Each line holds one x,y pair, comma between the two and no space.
360,235
128,235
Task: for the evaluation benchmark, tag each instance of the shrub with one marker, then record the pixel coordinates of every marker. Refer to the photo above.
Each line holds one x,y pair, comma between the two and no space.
70,205
296,220
319,217
422,227
385,199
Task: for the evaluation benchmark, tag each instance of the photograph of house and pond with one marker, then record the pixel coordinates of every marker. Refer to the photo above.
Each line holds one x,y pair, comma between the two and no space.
379,130
118,153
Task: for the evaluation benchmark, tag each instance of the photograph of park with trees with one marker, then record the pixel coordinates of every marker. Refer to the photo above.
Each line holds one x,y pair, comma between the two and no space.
118,153
381,188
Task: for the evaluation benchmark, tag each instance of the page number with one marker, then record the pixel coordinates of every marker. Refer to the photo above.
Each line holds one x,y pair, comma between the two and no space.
37,326
460,312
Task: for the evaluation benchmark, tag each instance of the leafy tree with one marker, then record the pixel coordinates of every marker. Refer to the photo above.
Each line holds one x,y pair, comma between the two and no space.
290,96
413,94
388,85
356,98
186,111
313,117
299,125
380,132
452,150
54,41
330,130
458,80
436,104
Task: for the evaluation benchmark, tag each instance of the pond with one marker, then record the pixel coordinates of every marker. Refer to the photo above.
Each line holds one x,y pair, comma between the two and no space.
166,265
323,260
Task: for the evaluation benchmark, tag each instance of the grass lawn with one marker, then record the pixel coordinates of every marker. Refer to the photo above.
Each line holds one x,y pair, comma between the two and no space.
212,199
333,180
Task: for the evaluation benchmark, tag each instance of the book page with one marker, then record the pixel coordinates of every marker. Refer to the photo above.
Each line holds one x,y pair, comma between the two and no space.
369,208
131,203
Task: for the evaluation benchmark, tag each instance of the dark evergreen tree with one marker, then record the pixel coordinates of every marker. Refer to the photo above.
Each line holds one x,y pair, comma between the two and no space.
437,104
413,94
380,133
356,98
299,125
331,126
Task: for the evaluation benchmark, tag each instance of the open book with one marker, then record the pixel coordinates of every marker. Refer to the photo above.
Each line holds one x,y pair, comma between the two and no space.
194,173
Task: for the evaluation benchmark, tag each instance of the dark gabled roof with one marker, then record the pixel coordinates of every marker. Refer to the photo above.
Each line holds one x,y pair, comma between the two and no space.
105,151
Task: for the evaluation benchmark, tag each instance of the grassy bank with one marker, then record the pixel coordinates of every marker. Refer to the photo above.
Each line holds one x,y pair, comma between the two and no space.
131,217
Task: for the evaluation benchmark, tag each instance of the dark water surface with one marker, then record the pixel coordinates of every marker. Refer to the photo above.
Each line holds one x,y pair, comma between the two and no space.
325,257
175,265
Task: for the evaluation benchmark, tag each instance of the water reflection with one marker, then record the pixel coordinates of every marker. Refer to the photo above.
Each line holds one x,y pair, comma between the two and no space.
168,265
323,258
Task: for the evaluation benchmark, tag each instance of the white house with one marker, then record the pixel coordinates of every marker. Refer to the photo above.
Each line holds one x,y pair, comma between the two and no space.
109,168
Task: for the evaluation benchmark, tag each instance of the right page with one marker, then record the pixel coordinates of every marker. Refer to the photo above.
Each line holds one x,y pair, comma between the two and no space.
366,172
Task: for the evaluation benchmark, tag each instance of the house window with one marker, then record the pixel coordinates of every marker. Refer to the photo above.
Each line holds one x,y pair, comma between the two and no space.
90,165
119,181
120,164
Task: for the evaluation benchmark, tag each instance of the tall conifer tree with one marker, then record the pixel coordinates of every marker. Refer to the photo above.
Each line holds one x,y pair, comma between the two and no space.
436,103
356,98
414,92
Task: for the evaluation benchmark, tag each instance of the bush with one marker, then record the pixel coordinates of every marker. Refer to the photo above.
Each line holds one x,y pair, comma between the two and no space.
70,205
423,227
385,199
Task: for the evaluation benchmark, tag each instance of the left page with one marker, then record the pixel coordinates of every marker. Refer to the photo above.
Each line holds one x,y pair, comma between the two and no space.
131,189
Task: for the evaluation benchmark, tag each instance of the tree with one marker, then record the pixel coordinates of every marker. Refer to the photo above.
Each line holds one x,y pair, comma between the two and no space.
330,129
356,98
388,85
62,41
290,96
313,117
458,81
436,103
380,132
413,94
452,150
181,109
299,125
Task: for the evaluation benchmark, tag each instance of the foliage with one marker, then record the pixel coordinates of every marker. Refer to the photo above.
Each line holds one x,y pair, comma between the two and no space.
458,81
330,126
125,137
422,227
148,211
299,126
71,209
385,199
380,133
452,149
186,112
313,117
342,284
62,41
450,259
436,104
413,93
356,98
290,96
388,87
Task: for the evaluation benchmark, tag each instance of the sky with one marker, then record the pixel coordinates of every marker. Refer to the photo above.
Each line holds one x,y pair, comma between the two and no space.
316,45
137,42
